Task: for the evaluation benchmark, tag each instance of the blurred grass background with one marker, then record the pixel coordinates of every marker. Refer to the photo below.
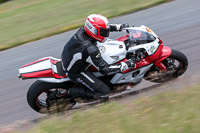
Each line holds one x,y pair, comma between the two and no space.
2,1
168,112
23,21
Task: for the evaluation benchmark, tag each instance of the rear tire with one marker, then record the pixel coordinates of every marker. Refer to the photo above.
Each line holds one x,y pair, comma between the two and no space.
39,87
154,75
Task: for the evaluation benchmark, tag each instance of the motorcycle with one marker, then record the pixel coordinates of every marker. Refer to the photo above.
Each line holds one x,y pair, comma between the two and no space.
154,62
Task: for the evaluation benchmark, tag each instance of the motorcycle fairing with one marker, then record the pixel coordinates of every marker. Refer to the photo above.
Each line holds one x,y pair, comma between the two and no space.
155,50
166,52
120,78
42,68
150,48
160,54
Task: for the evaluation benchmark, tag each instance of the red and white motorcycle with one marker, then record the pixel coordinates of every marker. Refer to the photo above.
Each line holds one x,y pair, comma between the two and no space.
154,62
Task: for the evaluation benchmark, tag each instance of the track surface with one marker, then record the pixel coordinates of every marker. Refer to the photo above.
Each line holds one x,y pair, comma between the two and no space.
177,23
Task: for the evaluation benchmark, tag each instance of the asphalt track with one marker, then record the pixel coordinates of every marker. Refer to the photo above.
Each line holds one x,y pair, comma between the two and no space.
176,22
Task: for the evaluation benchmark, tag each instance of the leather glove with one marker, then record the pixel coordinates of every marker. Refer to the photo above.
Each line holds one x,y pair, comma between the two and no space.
127,65
124,66
126,25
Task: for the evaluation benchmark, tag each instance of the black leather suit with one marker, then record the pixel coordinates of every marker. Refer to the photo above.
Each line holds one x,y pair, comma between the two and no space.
79,52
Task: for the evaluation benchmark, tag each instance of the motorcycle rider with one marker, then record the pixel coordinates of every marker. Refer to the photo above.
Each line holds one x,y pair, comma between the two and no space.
81,51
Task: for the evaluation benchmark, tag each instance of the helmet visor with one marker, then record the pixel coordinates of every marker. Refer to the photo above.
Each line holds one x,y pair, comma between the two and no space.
104,32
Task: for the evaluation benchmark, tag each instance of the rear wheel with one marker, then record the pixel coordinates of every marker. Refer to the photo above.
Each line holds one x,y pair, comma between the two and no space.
176,64
49,97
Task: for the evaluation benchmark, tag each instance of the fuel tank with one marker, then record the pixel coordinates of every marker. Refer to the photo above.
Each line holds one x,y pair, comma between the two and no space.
112,51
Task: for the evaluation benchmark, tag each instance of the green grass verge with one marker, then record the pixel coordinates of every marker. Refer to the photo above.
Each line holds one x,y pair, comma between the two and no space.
28,20
171,112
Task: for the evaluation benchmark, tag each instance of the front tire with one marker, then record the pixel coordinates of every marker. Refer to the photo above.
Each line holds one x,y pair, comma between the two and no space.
176,65
39,88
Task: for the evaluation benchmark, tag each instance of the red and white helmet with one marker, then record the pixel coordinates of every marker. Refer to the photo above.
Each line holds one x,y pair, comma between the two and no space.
97,27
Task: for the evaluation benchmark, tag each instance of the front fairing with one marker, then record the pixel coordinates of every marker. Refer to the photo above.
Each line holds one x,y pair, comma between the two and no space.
142,38
150,48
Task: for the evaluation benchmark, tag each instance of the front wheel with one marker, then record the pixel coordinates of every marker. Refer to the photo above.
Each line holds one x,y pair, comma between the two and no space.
46,97
176,64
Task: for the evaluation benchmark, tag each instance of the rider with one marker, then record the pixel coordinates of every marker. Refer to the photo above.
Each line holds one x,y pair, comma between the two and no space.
81,51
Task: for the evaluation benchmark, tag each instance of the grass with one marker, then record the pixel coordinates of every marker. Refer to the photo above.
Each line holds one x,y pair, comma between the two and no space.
171,112
28,20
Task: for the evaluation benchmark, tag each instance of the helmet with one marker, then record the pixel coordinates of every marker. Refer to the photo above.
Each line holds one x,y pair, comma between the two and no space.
97,27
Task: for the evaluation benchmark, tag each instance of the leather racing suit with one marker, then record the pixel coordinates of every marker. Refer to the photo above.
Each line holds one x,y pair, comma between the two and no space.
78,53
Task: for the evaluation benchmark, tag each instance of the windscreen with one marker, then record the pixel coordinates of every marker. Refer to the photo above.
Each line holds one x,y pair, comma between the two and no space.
137,37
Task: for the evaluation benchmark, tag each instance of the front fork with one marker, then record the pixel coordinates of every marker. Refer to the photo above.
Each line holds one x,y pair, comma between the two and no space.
166,52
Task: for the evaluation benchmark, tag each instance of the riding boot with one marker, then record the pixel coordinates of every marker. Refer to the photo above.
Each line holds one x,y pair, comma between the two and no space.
79,92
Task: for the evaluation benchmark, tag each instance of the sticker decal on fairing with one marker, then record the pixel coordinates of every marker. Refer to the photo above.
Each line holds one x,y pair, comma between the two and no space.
102,49
152,49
